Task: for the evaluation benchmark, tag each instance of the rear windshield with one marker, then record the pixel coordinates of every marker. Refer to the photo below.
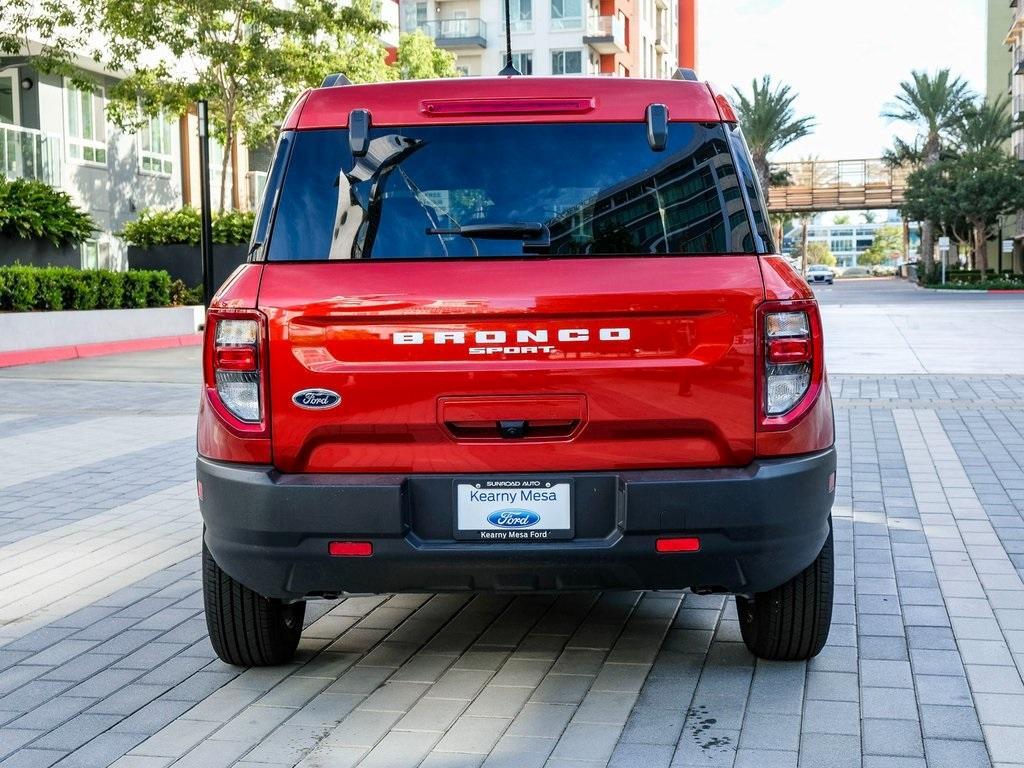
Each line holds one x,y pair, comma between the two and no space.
433,192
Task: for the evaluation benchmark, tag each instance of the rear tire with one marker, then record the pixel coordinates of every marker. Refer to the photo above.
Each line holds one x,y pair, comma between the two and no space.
247,629
791,622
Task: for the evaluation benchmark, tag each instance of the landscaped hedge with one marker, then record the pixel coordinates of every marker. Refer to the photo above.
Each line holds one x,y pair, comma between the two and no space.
36,211
183,227
23,289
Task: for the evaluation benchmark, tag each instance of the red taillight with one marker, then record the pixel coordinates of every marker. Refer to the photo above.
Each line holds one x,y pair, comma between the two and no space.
350,548
789,351
235,359
792,365
235,368
678,544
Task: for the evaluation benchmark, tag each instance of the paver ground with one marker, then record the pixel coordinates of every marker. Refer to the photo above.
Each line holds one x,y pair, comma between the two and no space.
104,658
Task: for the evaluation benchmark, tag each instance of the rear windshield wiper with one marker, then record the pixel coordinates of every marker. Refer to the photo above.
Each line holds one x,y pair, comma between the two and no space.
531,232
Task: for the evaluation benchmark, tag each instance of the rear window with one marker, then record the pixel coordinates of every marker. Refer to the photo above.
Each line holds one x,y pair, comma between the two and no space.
433,192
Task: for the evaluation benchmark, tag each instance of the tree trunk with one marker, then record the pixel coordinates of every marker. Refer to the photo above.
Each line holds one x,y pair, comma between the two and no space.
981,247
225,160
931,157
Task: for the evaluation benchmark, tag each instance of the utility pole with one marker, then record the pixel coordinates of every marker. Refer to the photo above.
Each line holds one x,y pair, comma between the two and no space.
803,254
206,217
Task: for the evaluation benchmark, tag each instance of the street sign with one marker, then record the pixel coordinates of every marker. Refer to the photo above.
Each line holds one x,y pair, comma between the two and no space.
944,243
1007,246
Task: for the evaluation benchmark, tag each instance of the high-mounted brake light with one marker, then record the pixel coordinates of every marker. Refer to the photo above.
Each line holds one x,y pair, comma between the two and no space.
508,106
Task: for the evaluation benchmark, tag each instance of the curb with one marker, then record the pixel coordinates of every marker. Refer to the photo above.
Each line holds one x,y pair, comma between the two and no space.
74,351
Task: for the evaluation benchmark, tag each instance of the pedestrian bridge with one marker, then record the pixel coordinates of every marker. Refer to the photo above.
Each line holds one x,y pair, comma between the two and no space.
836,185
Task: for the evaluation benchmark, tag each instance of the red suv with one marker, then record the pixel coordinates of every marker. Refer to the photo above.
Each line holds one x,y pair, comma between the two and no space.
514,334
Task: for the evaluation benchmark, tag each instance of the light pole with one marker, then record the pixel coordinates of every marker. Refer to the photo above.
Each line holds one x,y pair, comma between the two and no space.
205,215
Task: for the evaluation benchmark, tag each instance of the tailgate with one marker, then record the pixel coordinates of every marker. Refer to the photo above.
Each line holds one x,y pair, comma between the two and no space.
512,365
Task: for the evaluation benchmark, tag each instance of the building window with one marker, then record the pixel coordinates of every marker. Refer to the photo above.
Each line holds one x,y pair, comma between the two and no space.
566,14
155,153
86,125
567,62
523,62
521,15
462,71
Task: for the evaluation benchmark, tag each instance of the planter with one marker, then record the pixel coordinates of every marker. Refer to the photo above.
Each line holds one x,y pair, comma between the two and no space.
184,262
35,330
38,253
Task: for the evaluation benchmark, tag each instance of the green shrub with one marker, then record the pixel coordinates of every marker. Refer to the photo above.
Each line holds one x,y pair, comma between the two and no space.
183,227
158,291
109,289
182,295
136,289
23,289
36,211
19,289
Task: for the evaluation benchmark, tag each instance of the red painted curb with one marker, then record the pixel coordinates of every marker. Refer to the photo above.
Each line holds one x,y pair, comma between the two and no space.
72,351
1006,290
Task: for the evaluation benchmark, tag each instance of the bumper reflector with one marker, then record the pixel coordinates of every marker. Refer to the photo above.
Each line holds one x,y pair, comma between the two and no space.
681,544
350,549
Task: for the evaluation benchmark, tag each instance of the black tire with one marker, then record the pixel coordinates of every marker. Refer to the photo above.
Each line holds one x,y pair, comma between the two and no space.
791,622
247,629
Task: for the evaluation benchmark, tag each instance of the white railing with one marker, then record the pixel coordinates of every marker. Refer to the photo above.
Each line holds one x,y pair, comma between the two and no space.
26,153
613,27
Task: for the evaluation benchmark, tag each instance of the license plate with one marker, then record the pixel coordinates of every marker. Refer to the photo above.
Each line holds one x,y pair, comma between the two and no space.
513,510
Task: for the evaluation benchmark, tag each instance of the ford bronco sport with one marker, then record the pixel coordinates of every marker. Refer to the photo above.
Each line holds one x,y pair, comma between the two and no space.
514,334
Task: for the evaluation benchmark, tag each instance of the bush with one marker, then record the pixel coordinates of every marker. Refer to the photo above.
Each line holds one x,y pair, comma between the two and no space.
23,289
183,227
182,295
33,210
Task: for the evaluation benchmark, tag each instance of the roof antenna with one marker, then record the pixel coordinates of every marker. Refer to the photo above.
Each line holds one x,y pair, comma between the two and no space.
509,70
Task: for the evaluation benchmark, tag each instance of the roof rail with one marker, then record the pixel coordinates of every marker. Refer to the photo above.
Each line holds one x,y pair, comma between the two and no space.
685,73
337,78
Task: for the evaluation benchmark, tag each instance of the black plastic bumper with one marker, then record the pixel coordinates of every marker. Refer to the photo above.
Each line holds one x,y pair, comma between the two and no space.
758,526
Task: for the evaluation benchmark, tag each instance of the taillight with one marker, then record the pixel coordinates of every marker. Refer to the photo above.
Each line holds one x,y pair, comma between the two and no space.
791,359
235,375
788,360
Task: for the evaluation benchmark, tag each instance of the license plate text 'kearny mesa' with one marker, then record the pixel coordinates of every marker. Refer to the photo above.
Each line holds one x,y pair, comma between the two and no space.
527,341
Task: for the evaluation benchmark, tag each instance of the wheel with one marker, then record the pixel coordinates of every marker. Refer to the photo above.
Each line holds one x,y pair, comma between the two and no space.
247,629
791,622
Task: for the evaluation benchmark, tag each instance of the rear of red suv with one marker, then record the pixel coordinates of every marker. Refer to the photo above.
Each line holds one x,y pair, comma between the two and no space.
511,335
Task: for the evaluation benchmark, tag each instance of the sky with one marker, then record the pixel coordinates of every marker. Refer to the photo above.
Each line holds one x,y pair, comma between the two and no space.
844,58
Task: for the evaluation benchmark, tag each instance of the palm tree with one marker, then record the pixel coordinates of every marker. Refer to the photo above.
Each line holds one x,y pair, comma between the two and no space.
984,126
869,217
769,123
935,104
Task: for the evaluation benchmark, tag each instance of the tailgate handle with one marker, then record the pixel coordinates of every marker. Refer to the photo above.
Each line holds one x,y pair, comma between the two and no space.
512,418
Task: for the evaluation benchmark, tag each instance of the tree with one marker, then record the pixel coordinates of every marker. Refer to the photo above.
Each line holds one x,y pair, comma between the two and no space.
983,126
887,245
817,253
769,123
975,188
869,217
934,104
842,218
419,59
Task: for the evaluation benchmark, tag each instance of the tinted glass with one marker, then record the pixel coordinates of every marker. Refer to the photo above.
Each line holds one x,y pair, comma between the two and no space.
429,192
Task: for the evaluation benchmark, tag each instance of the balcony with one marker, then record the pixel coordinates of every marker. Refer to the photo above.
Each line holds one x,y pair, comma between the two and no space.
456,33
606,34
26,153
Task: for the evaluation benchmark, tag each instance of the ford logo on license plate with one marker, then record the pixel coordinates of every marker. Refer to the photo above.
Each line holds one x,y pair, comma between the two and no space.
513,518
316,399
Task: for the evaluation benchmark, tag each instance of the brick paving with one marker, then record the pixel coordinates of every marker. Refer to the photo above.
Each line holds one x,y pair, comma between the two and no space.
104,658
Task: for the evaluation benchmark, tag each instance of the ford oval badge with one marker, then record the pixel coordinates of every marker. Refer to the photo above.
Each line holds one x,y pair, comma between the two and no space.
316,399
513,518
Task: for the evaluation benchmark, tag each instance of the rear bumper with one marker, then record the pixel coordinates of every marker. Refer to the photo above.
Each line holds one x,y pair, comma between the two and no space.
758,526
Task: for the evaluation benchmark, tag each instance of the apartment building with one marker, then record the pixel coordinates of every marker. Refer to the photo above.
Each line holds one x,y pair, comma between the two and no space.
1005,77
628,38
52,131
